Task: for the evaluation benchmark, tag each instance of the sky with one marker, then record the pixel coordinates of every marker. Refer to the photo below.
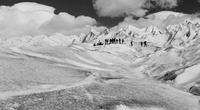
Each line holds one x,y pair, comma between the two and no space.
85,7
74,7
75,16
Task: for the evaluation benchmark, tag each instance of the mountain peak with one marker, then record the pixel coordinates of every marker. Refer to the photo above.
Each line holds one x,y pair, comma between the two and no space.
92,30
105,32
154,30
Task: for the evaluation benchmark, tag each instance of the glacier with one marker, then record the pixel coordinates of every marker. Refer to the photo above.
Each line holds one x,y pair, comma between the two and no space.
69,72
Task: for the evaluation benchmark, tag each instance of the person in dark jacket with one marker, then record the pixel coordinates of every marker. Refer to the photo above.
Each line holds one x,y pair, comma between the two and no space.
131,43
145,43
141,43
122,41
119,41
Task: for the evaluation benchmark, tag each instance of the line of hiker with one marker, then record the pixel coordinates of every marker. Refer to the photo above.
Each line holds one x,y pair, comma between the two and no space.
110,41
99,43
118,41
114,41
142,44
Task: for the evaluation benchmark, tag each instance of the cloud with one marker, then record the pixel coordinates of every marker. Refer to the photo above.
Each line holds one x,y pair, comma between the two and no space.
31,6
115,8
138,8
32,19
66,24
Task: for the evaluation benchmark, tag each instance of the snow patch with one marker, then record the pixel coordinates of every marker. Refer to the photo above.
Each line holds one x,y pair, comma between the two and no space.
124,107
189,75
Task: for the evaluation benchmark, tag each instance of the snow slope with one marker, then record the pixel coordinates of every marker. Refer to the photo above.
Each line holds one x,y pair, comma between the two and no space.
61,71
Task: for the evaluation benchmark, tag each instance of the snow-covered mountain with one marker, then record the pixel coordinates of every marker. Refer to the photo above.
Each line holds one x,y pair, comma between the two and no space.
184,32
174,45
92,35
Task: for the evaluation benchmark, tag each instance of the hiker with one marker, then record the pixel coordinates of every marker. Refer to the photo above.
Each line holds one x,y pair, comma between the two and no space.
119,41
106,41
99,43
116,41
122,41
131,43
145,43
141,43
